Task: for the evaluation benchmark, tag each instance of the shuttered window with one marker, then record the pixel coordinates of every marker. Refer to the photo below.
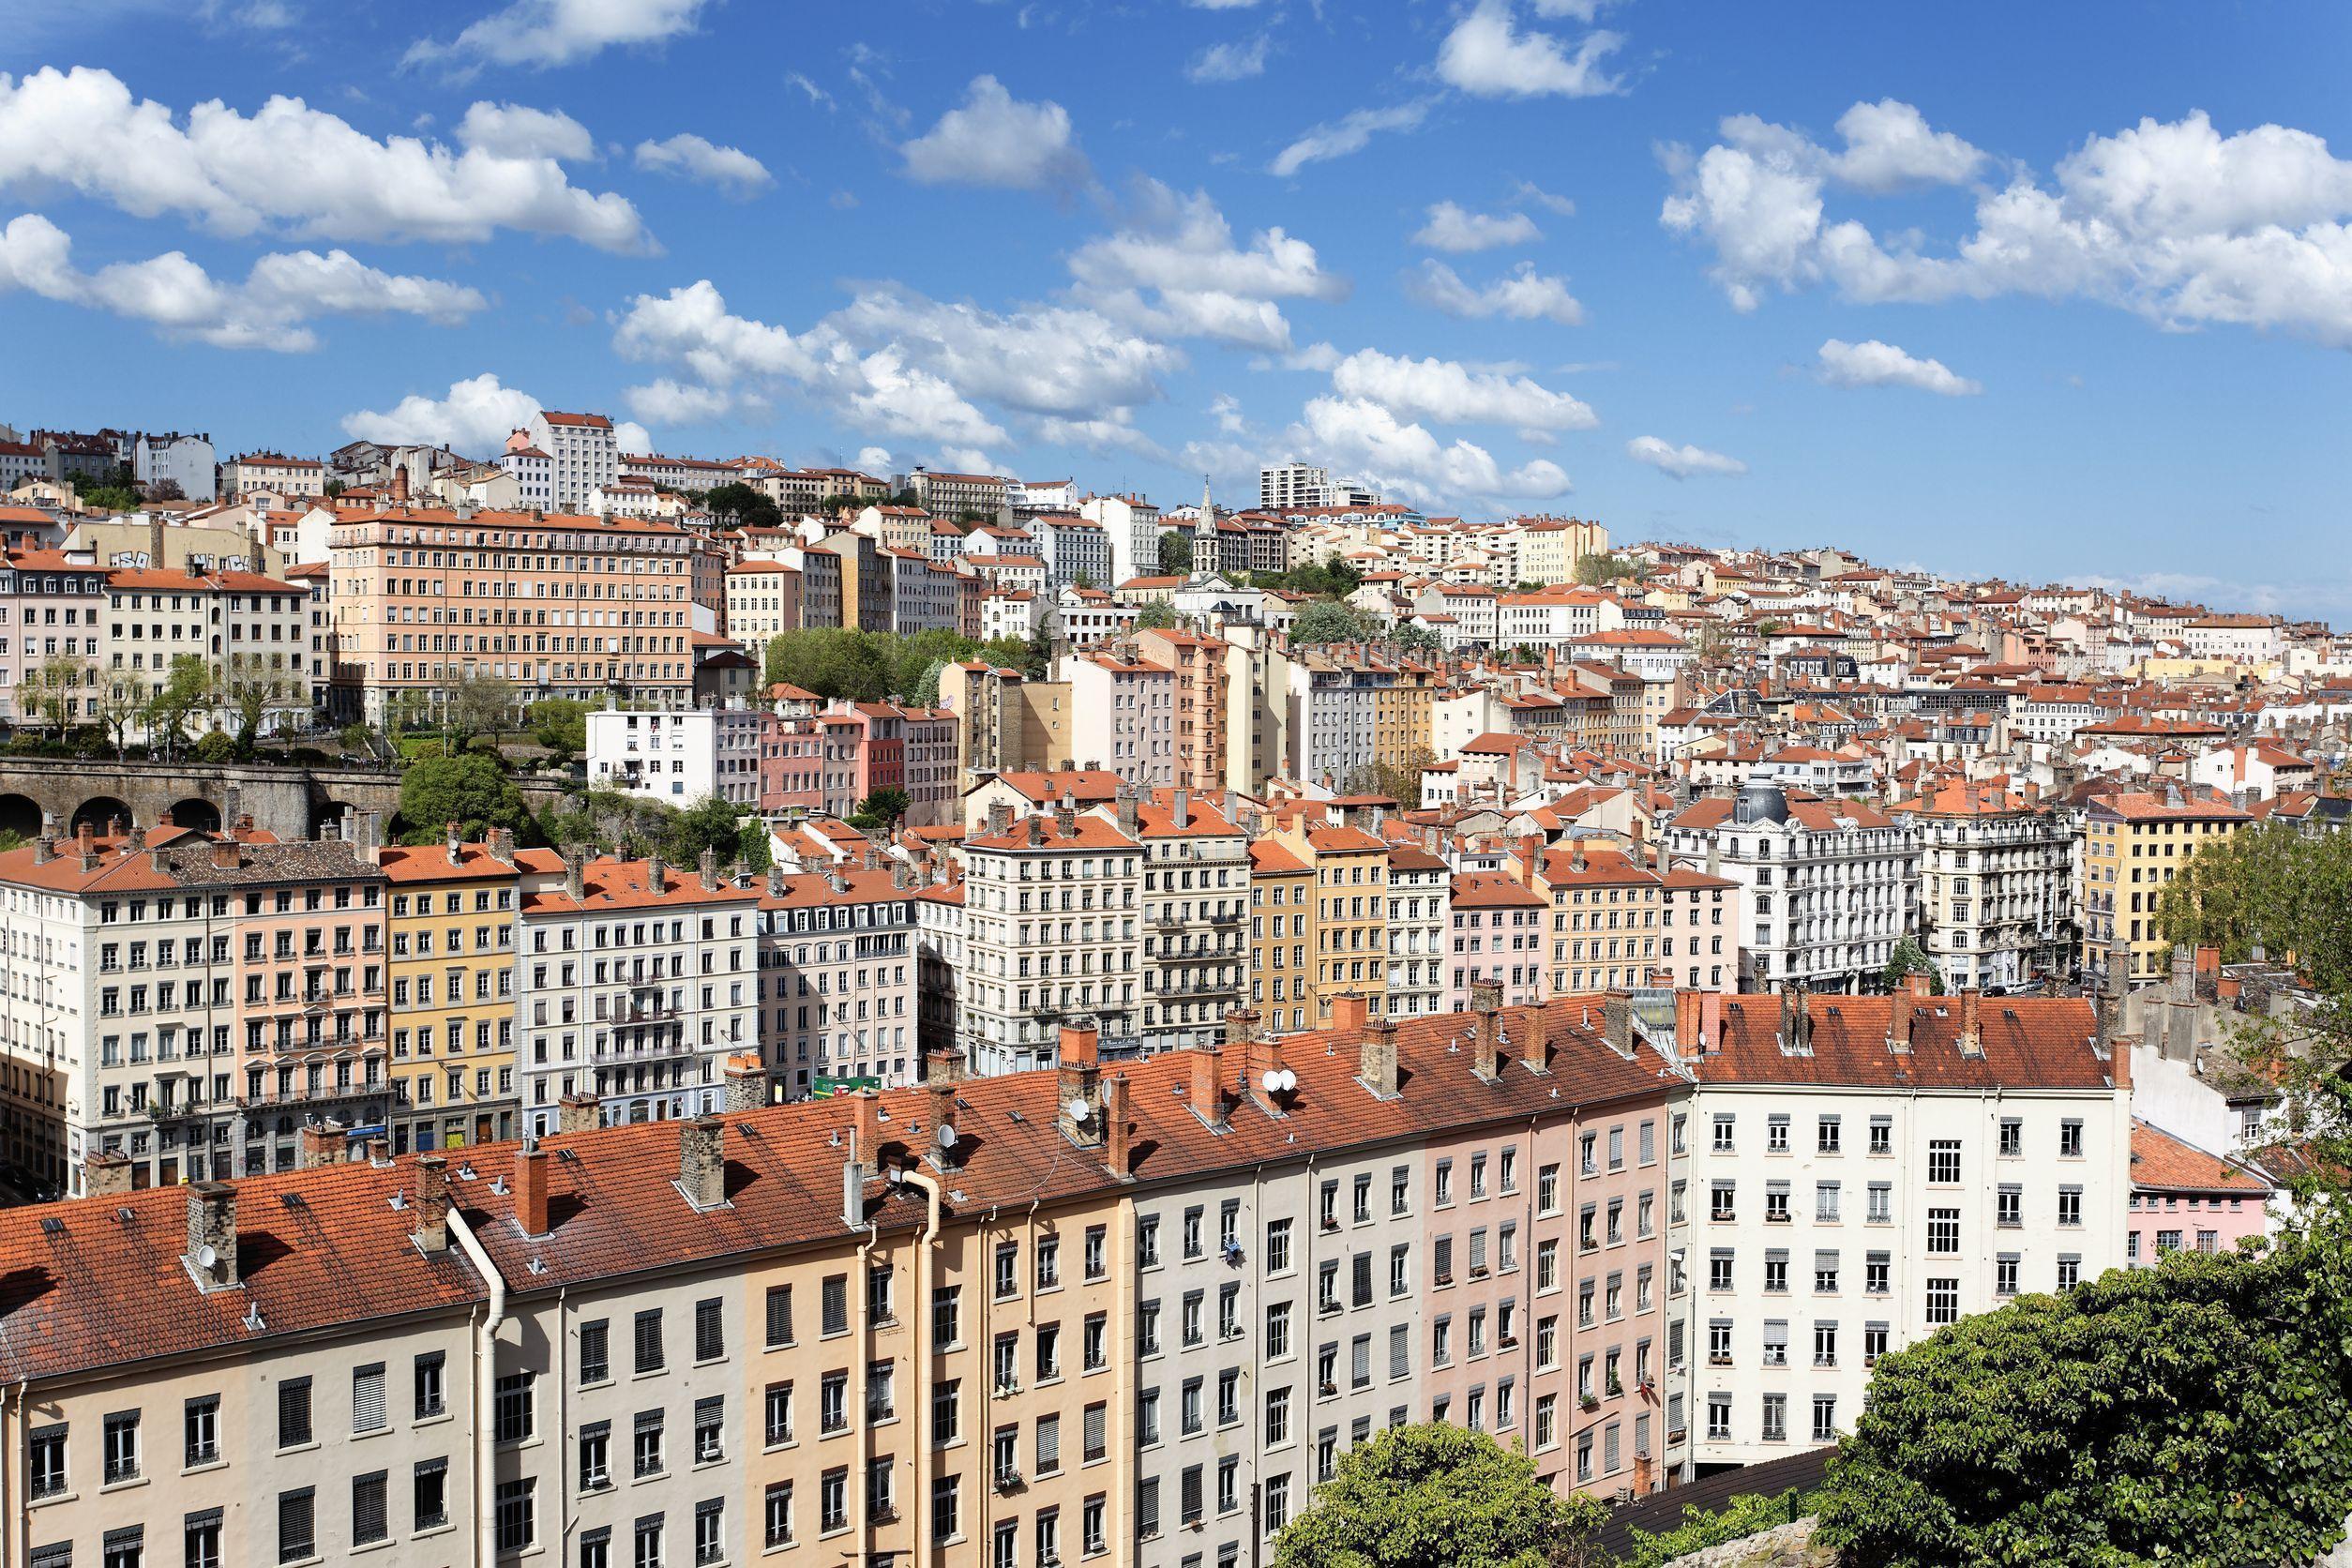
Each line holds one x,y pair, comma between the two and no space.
370,1519
780,1315
293,1412
1097,1432
366,1398
710,1330
296,1525
649,1356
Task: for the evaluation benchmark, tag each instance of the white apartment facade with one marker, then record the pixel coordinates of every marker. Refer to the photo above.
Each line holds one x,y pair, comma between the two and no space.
677,758
583,455
1053,921
1997,883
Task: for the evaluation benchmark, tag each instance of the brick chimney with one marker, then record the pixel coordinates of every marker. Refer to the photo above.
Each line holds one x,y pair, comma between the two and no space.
1796,1021
702,1162
940,1099
656,874
1118,1128
999,819
1347,1013
575,874
212,1234
530,1187
501,845
578,1113
1375,1060
1208,1084
866,1130
319,1143
1903,1016
1487,1029
1530,857
1077,1082
1265,1062
432,1204
747,1078
1617,1022
106,1174
1535,1037
1971,1040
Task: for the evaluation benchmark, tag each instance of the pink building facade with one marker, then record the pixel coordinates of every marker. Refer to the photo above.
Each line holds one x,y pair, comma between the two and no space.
2185,1199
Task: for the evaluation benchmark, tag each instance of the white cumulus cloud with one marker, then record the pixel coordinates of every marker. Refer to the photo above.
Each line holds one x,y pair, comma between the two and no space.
1486,54
1451,228
1877,364
287,167
1681,462
1350,133
271,309
543,33
1525,294
517,131
732,170
1447,393
1172,270
1229,62
474,418
994,139
1365,437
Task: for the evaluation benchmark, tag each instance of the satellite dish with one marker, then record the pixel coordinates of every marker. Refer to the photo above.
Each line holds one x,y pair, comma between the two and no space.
206,1257
1076,1109
946,1136
1272,1080
1290,1080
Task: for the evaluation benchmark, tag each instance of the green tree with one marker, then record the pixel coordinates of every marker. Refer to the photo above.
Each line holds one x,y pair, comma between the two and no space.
480,703
560,724
2269,887
247,687
1081,580
1158,615
710,824
1415,638
879,811
1711,644
2196,1411
119,702
216,745
187,690
47,692
1594,571
1176,554
754,848
1399,779
1434,1496
746,508
471,790
1326,621
1749,1514
1908,958
1036,659
832,661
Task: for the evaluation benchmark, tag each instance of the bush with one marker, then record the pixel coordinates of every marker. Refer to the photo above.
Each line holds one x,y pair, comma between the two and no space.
1748,1515
217,746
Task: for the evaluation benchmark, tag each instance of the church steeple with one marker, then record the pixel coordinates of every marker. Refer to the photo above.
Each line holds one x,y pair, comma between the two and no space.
1206,527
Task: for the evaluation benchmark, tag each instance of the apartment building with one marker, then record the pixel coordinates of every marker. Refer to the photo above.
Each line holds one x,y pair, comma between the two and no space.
1122,710
1282,906
1997,883
1053,917
1866,1170
452,911
1077,551
1496,924
1196,896
1131,527
50,630
1420,921
762,600
583,455
1698,922
839,973
639,983
955,495
1607,917
1134,1312
1828,887
272,473
252,632
680,757
1293,484
2134,843
1199,705
1349,955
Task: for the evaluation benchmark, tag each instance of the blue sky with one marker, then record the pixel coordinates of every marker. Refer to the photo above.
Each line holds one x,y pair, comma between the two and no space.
2054,292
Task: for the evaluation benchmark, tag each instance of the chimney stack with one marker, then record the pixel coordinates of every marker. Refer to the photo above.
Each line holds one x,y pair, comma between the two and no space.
707,869
1535,1037
866,1131
702,1162
317,1143
432,1204
939,1092
1903,1016
1118,1130
1617,1022
1208,1085
530,1187
501,845
1972,1039
1486,1028
1269,1082
1375,1062
106,1174
1347,1013
656,874
574,877
747,1078
578,1113
212,1235
1077,1085
454,842
999,819
1796,1023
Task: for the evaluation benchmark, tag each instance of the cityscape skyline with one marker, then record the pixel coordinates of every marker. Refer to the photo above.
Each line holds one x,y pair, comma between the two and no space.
2081,335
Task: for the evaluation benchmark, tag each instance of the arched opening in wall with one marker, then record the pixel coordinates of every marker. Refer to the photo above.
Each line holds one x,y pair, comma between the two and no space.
20,815
196,812
326,819
99,810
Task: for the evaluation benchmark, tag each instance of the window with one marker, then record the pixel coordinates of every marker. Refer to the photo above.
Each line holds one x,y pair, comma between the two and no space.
835,1305
48,1449
779,1316
595,1351
1943,1233
649,1356
370,1516
430,1396
1723,1133
833,1500
2070,1206
777,1511
1776,1134
648,1542
1878,1274
1824,1343
1882,1134
512,1413
709,1531
201,1535
2009,1207
1719,1417
2069,1271
710,1330
1777,1418
430,1493
1776,1272
1874,1343
596,1455
1775,1341
2070,1139
1828,1135
710,1427
297,1525
1278,1246
200,1427
366,1398
293,1412
2013,1135
2005,1275
1824,1417
645,1455
1944,1300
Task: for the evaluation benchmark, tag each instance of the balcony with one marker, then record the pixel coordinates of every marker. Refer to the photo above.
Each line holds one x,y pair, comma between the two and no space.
326,1094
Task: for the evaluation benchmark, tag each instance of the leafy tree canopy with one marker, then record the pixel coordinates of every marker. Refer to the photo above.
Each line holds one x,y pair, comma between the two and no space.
1431,1495
879,811
559,723
1911,958
1156,616
2271,887
749,507
1175,553
872,667
1326,621
1594,571
710,824
468,790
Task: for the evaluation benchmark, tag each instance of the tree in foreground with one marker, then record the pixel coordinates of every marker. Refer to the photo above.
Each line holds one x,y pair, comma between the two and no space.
471,790
2193,1412
1433,1495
